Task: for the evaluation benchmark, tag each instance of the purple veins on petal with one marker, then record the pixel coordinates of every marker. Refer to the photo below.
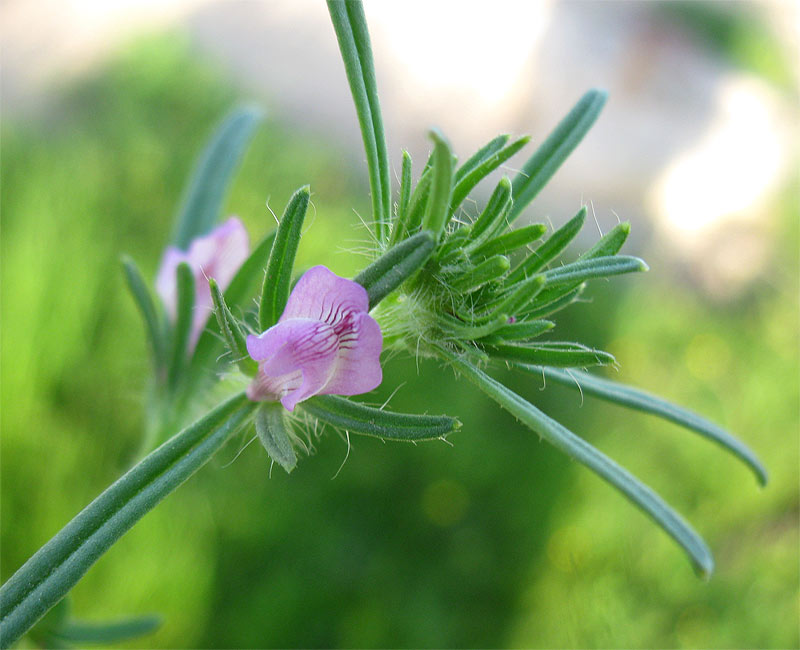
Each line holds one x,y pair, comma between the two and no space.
324,343
218,255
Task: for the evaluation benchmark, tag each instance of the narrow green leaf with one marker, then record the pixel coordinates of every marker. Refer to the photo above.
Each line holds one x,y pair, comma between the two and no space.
395,266
550,249
232,332
274,436
598,267
559,355
81,632
208,185
278,278
480,156
489,270
552,300
55,568
519,331
437,213
360,418
567,442
640,400
466,184
515,301
144,301
405,186
610,243
182,329
453,246
511,241
492,219
350,25
418,201
452,327
540,167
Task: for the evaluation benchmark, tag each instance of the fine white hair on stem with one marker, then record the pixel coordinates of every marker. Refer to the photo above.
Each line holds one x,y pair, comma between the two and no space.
594,216
239,453
346,456
271,211
577,383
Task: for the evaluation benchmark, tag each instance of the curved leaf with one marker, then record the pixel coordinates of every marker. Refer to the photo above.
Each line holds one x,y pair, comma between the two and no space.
567,442
639,400
202,202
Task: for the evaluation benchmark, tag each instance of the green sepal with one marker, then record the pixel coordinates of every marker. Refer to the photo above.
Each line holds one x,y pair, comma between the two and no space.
274,435
518,331
489,270
58,565
278,277
182,328
209,182
511,241
574,447
238,296
560,355
493,217
598,267
550,248
232,332
639,400
481,155
466,184
540,167
144,301
369,421
396,266
437,212
350,25
83,632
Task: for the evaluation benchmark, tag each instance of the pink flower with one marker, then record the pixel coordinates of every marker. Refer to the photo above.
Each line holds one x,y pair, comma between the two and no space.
324,343
218,255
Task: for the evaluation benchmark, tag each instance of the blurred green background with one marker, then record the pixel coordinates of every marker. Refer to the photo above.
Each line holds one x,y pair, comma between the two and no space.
495,541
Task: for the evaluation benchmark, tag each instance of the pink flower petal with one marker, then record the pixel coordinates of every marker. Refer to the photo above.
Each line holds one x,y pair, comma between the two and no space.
218,255
358,366
322,295
325,342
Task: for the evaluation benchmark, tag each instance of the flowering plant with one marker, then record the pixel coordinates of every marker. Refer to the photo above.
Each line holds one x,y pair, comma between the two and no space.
473,294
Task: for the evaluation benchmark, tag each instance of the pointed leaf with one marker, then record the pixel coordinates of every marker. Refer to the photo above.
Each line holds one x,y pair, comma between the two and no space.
232,332
556,149
610,243
466,184
437,213
511,241
395,266
640,400
55,568
366,420
599,267
519,331
567,442
350,25
480,156
493,217
144,301
491,269
183,323
552,247
562,355
208,185
278,278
